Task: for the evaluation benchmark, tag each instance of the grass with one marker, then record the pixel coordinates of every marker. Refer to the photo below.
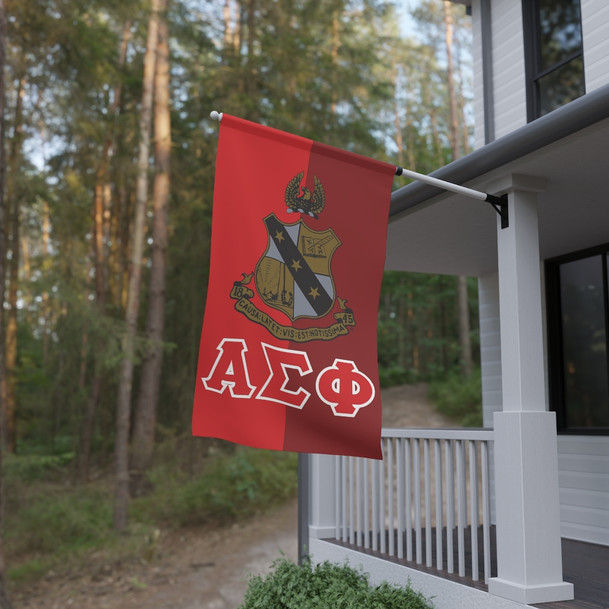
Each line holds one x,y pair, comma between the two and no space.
325,586
54,524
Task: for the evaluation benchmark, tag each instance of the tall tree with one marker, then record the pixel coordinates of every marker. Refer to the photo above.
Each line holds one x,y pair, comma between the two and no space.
146,410
4,600
100,260
14,207
465,354
123,407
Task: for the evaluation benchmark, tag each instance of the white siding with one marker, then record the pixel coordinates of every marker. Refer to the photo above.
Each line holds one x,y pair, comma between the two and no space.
595,22
583,461
490,346
508,66
509,85
583,469
490,357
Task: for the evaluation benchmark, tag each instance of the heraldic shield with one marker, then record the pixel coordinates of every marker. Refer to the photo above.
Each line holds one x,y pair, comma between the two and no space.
294,274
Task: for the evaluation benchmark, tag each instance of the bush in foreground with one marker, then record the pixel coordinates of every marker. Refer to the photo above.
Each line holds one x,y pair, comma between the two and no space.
325,586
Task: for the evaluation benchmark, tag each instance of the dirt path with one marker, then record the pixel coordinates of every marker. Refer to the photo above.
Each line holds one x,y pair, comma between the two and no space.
202,569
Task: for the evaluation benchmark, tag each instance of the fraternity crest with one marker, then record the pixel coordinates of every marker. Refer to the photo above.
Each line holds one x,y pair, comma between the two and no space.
294,274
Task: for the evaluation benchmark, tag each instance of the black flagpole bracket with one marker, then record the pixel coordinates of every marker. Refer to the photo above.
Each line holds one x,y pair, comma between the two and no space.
500,205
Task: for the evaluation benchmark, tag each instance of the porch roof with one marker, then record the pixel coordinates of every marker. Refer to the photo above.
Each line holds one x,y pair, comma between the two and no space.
433,231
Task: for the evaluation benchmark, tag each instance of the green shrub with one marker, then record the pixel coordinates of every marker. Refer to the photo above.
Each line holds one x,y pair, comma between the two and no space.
325,586
458,398
59,521
50,524
29,571
395,375
35,467
231,486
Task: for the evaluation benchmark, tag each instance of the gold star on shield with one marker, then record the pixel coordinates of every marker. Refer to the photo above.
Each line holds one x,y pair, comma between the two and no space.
296,265
314,293
279,236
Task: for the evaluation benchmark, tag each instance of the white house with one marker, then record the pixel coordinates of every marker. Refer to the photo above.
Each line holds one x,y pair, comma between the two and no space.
536,479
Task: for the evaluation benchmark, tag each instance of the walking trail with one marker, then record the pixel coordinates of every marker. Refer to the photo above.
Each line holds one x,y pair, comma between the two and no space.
202,568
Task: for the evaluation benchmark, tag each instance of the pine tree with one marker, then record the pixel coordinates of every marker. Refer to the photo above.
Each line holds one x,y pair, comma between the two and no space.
123,407
148,397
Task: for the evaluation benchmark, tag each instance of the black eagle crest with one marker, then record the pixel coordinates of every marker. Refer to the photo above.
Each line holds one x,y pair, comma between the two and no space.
308,202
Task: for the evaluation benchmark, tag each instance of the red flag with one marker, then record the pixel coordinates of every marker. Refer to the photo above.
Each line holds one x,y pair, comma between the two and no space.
288,353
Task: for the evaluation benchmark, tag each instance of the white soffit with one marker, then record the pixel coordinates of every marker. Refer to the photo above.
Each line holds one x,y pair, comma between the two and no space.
449,234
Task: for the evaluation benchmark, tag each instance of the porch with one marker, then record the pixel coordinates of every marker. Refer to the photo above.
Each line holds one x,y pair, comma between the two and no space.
585,565
425,514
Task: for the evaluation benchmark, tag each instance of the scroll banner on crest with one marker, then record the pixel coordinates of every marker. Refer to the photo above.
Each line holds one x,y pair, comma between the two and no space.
288,352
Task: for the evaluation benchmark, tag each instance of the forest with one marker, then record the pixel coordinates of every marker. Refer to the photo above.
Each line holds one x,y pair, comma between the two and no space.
106,188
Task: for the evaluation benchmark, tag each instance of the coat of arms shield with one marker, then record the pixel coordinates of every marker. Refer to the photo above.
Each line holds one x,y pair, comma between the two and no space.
294,274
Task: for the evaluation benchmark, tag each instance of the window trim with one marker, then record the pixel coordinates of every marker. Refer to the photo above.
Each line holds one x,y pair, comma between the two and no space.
532,54
556,380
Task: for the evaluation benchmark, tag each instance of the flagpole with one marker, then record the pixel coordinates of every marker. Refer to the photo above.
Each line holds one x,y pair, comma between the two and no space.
498,203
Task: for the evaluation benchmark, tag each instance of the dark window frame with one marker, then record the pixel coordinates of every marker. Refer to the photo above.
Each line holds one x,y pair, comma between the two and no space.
556,379
532,58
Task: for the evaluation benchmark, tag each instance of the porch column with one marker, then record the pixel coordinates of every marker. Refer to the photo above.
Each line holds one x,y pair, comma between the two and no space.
526,468
322,523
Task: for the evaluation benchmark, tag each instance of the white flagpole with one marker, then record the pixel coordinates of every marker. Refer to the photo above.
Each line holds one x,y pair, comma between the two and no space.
498,203
462,190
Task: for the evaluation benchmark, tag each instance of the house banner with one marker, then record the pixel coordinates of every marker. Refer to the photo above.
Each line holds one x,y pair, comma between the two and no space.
288,352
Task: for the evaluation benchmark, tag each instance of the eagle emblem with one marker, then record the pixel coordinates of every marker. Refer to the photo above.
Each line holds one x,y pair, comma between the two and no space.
311,203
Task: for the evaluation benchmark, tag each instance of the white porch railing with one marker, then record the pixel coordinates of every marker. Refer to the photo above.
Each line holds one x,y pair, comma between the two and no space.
428,501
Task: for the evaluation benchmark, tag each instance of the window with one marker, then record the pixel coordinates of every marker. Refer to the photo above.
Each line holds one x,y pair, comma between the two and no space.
553,54
578,323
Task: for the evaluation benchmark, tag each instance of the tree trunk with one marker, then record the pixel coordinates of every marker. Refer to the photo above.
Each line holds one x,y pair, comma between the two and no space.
229,31
46,309
464,329
397,121
145,419
250,79
100,260
4,600
465,351
87,427
450,74
12,203
123,407
334,55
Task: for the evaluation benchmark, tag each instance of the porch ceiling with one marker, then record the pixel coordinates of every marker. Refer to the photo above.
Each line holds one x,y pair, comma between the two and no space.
451,234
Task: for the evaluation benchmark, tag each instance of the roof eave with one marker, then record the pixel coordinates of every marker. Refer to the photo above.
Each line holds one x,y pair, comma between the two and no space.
578,114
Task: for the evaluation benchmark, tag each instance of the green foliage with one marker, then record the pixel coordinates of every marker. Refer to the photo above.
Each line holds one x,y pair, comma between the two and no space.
459,398
57,522
325,586
28,571
30,468
339,72
418,328
229,487
394,375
